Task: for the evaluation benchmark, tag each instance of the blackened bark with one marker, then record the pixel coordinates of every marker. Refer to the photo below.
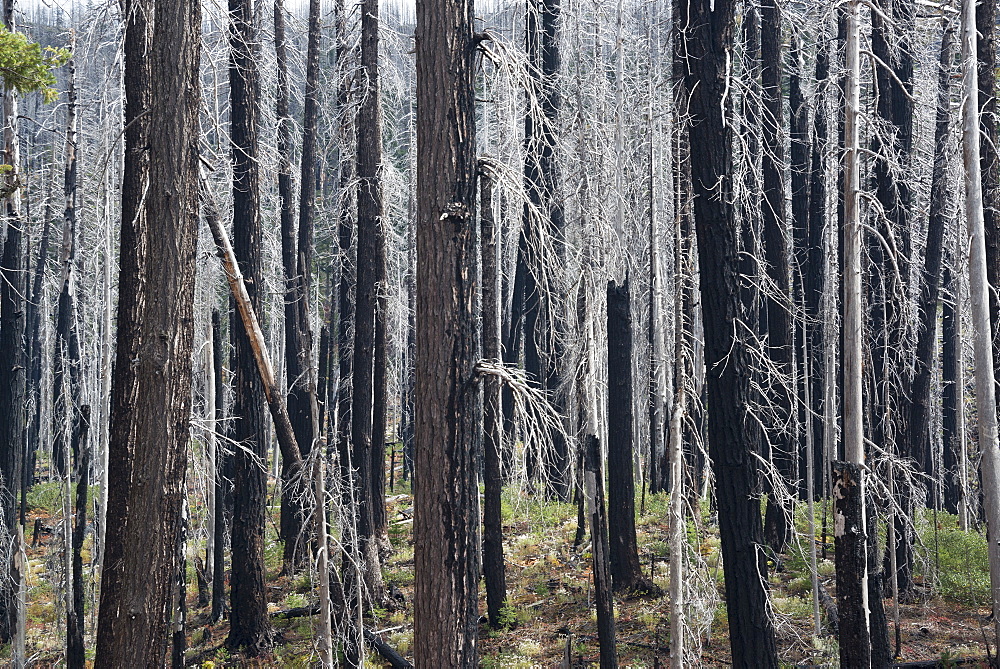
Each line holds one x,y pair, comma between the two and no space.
369,274
297,349
310,139
626,572
814,278
34,333
223,460
951,358
527,256
178,637
513,338
891,285
986,50
750,231
602,561
918,423
543,218
447,395
878,624
12,369
709,38
134,228
798,123
380,523
777,523
557,465
75,618
493,565
151,391
249,625
67,352
855,646
345,338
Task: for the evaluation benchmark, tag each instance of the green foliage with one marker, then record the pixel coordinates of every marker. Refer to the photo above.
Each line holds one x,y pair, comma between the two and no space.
48,497
25,67
511,618
964,574
295,600
506,661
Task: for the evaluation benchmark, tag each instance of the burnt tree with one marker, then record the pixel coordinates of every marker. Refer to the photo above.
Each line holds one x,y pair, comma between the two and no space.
151,390
447,394
250,628
709,37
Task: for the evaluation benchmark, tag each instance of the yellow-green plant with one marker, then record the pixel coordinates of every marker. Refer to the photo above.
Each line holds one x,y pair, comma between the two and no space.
26,67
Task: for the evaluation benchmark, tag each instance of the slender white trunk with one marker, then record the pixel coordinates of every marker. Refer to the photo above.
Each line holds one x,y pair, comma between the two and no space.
211,447
677,527
986,409
107,345
324,633
811,484
963,503
851,325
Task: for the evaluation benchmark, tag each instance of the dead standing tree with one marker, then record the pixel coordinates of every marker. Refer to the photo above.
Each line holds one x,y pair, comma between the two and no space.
12,366
709,38
250,628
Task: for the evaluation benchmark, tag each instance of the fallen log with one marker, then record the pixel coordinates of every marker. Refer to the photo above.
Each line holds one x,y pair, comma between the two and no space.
385,650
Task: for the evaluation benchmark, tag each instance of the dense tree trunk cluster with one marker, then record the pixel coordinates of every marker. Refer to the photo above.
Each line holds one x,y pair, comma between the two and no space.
290,287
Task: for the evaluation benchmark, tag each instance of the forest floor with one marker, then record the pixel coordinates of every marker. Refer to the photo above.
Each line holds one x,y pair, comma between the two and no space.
551,611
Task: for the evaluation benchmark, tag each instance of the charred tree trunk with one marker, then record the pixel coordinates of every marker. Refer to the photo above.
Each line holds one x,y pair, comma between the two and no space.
222,460
151,392
801,192
345,341
134,228
250,628
953,381
602,562
34,332
303,395
851,563
986,56
75,617
493,564
297,348
553,334
815,278
67,352
892,267
543,219
918,425
709,38
626,571
12,367
448,394
370,272
777,522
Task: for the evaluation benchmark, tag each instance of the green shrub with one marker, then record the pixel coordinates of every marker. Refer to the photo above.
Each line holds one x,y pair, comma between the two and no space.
48,497
964,574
